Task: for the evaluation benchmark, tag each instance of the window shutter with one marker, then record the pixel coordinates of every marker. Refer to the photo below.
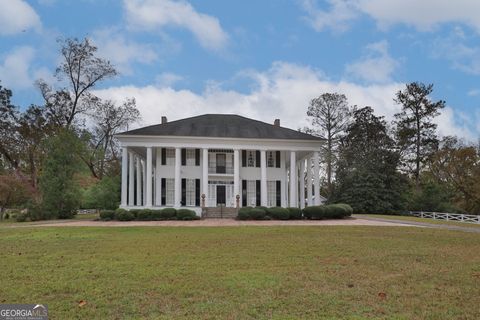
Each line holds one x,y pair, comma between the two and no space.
164,192
258,193
184,156
277,159
184,192
164,156
244,158
279,194
197,191
244,193
197,157
257,158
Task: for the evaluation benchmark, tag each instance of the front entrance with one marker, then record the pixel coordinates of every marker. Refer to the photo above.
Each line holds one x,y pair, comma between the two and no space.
221,196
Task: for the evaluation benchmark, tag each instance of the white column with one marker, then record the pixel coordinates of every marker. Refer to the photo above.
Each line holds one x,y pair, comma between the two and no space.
205,175
178,181
131,179
302,183
144,186
236,174
139,182
309,181
284,179
158,179
316,176
263,178
293,179
148,177
124,176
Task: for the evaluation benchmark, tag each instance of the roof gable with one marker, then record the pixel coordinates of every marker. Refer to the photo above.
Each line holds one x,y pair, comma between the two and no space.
221,125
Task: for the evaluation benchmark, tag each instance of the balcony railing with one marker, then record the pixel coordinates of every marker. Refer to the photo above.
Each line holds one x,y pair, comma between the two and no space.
220,170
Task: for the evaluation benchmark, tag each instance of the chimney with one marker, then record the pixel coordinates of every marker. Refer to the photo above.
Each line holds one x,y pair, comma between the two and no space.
164,120
276,122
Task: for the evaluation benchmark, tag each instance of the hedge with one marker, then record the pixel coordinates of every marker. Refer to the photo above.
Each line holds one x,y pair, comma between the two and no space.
295,213
249,213
244,213
331,211
124,215
278,213
107,215
186,214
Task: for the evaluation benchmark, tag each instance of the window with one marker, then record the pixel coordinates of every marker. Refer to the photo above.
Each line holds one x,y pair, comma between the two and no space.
271,157
170,156
251,158
170,192
190,153
190,192
251,193
271,193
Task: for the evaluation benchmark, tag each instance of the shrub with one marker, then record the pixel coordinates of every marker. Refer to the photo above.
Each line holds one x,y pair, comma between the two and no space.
348,209
145,215
295,213
186,214
278,213
257,214
123,215
135,212
6,216
244,213
331,211
21,217
107,215
168,213
315,212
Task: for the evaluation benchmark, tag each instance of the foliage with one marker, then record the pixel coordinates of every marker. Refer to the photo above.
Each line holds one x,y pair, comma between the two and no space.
430,196
13,192
21,217
124,215
59,190
105,194
107,215
145,215
169,213
186,214
330,115
331,211
295,213
278,213
415,129
367,176
244,213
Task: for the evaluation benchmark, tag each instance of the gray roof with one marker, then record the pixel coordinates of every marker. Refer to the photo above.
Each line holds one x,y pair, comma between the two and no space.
221,125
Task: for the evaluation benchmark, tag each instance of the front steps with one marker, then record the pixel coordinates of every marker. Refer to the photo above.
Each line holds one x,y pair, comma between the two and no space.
219,213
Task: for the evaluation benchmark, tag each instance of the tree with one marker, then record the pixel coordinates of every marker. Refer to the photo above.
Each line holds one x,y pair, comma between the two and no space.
108,120
330,116
81,70
9,146
60,193
415,129
367,176
12,192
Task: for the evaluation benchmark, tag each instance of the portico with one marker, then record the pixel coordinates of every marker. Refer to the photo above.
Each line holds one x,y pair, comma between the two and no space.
213,160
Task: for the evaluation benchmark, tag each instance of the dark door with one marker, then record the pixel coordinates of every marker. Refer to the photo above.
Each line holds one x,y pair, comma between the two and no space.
221,195
221,163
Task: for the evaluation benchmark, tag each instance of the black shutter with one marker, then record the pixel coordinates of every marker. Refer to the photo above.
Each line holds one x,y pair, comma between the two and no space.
258,193
244,158
244,193
184,156
164,192
279,193
197,191
197,157
277,159
184,192
164,156
257,158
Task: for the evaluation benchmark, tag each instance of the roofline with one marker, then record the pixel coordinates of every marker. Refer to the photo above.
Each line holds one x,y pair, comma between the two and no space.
119,136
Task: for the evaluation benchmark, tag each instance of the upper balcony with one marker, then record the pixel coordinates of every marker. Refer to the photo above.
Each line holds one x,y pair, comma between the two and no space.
220,170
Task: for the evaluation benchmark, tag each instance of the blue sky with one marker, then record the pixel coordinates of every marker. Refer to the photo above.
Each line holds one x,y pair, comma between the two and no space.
263,59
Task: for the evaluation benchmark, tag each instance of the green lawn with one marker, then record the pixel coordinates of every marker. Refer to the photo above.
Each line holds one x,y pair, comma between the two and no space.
423,220
243,272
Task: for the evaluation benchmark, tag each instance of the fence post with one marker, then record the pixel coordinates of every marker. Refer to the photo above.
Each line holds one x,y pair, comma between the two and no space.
434,217
421,214
448,216
462,217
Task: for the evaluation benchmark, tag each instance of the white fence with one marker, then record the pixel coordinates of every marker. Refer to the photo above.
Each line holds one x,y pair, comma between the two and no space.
447,216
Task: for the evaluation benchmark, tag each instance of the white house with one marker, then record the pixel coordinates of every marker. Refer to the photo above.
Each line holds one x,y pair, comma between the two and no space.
218,159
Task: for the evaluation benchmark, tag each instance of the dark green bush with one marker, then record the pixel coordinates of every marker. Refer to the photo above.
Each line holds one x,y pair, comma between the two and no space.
244,213
107,215
6,216
278,213
257,214
135,212
186,214
315,212
123,215
156,215
348,209
145,215
21,217
295,213
331,211
168,214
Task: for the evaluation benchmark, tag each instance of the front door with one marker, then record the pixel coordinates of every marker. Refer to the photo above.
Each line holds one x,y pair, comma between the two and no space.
221,199
221,163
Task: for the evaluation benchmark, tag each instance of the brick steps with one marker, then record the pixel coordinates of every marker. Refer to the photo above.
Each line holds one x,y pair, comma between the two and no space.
218,213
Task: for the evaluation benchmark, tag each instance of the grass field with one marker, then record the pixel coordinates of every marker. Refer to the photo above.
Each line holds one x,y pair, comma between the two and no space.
243,272
423,220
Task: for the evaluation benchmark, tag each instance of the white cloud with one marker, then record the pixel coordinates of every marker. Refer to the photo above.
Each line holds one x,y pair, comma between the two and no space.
473,92
423,15
375,66
122,52
168,79
17,16
153,15
15,71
